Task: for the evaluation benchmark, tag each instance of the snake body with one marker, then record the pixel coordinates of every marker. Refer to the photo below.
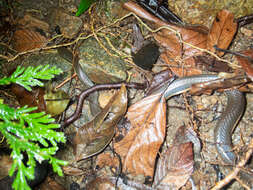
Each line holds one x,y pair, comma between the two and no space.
227,121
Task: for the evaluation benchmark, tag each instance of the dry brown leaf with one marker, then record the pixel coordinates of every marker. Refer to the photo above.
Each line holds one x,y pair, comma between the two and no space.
139,148
35,98
94,136
222,31
174,167
192,35
180,54
245,63
25,39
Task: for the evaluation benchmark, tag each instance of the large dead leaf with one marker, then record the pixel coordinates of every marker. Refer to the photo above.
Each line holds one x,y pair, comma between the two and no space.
174,167
178,55
222,31
25,39
246,64
94,136
140,146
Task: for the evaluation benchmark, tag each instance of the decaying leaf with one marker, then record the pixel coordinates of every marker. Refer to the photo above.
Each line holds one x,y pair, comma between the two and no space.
139,148
94,136
52,102
25,39
179,53
187,134
246,64
32,99
174,167
222,31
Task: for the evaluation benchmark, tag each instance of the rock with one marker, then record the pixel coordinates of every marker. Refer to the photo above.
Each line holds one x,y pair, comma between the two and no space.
28,21
99,66
69,25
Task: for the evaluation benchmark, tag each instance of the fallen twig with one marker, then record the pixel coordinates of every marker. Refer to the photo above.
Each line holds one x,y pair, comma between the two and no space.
233,175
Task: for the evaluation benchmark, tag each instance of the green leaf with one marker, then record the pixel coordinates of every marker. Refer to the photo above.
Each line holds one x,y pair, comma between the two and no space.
83,6
31,76
23,130
27,132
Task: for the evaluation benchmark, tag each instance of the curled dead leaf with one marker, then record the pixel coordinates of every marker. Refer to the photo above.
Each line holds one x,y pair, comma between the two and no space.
139,148
94,136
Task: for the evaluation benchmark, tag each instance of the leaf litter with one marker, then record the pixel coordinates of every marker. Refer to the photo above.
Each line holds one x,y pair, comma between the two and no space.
140,148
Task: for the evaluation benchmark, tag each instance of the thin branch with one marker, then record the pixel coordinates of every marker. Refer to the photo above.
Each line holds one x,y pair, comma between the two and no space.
233,175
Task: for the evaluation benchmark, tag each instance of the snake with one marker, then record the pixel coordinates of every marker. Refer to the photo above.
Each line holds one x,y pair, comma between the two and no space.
228,120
